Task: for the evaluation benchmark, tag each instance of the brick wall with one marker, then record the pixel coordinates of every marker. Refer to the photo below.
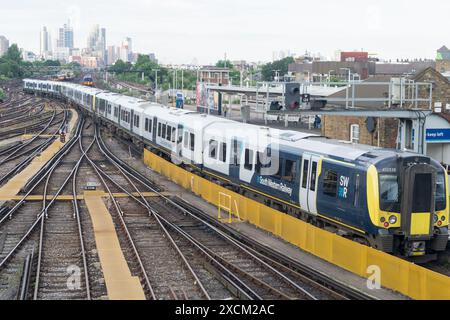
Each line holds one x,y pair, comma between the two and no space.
337,127
441,87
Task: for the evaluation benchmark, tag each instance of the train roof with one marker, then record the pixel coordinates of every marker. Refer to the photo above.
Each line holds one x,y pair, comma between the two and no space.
291,141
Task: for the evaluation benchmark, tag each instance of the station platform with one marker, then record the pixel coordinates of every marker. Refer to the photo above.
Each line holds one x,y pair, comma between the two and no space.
120,284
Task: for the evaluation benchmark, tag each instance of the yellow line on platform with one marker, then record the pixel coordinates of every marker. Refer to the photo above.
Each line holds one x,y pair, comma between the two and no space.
120,284
31,136
69,197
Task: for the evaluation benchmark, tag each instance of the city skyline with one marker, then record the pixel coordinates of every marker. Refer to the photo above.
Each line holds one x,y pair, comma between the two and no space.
155,27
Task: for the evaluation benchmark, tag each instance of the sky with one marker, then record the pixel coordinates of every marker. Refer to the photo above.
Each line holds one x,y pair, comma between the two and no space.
179,31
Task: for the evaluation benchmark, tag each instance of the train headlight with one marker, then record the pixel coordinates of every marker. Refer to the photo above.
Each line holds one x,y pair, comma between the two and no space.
392,219
435,218
443,218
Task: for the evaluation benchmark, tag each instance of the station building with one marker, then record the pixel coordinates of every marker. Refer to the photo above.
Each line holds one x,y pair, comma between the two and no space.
428,133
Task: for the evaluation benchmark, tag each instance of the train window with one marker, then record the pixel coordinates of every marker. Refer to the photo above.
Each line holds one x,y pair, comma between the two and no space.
388,188
213,144
192,142
169,133
354,133
223,152
248,164
116,112
440,192
150,122
159,129
146,124
330,183
422,193
305,174
174,133
289,170
312,183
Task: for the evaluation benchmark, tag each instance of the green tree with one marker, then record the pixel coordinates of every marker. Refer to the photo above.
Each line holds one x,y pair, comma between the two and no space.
120,66
13,54
52,63
282,65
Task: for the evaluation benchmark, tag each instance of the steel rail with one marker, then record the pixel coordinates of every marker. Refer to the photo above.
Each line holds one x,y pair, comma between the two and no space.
340,287
127,233
76,215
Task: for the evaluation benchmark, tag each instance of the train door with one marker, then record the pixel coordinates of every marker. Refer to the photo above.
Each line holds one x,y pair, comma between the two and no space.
308,183
155,125
247,163
179,140
132,120
236,150
120,115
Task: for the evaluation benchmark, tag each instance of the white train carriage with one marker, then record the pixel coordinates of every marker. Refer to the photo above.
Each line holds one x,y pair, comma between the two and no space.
128,112
167,127
31,85
106,100
194,126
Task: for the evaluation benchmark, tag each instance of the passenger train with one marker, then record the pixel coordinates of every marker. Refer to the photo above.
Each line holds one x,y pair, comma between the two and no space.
394,201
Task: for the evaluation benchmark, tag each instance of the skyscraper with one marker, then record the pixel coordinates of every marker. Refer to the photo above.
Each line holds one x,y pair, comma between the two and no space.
64,44
96,43
112,55
65,39
45,46
126,50
4,45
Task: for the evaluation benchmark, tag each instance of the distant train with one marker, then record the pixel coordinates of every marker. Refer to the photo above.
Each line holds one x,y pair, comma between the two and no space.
394,201
88,81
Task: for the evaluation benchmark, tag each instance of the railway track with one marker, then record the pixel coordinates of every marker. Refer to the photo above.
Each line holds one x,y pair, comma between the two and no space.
15,157
240,270
48,250
53,234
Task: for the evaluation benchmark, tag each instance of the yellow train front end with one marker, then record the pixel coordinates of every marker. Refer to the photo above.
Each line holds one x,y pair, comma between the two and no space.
408,202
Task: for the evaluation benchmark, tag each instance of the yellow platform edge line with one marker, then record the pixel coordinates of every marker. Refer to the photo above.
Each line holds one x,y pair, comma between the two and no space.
80,197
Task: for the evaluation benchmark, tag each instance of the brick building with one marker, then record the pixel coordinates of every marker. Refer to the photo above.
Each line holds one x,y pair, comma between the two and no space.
354,129
216,75
384,131
358,56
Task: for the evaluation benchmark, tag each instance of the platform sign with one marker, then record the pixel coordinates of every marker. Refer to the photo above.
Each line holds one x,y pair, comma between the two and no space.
205,98
438,135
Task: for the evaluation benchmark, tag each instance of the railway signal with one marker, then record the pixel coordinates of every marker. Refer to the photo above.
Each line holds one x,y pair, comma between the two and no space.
292,96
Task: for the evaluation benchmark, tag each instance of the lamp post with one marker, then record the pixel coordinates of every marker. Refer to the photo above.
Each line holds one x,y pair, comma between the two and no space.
156,85
349,73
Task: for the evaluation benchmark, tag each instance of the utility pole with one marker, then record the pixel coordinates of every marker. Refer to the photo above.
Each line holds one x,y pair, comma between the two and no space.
156,85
